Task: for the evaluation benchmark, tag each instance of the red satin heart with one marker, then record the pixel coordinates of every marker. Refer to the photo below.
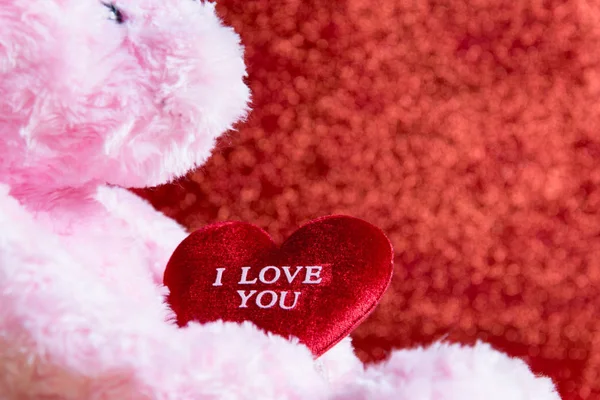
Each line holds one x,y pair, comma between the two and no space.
320,306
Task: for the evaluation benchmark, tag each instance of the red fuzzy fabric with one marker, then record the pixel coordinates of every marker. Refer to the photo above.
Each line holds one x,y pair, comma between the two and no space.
338,268
467,130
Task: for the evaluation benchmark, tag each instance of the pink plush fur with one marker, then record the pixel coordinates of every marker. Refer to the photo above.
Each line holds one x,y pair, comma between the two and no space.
91,98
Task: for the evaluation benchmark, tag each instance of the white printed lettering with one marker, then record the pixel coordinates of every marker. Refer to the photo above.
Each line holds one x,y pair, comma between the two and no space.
245,297
313,274
219,277
244,280
263,272
290,278
260,296
282,300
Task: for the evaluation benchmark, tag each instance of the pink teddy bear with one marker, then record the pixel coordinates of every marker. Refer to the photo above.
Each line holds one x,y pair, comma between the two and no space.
95,97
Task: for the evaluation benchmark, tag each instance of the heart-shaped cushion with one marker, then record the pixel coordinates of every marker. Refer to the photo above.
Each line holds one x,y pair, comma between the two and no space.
319,285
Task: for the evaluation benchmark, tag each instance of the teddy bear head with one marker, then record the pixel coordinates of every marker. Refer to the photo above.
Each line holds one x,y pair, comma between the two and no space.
131,93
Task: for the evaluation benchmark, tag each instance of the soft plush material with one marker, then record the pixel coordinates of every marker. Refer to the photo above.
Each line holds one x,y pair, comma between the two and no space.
318,286
94,97
469,131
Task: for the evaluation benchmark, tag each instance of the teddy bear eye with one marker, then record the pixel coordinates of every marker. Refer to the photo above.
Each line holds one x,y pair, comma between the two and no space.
114,13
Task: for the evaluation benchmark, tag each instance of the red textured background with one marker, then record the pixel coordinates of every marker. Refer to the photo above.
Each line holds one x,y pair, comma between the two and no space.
467,130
